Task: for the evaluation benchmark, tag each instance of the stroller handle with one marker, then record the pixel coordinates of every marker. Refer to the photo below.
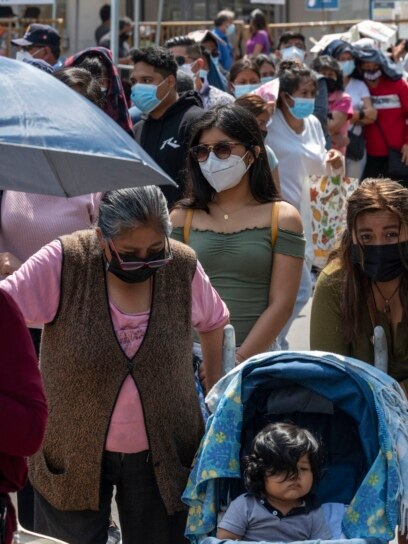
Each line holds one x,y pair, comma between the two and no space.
380,349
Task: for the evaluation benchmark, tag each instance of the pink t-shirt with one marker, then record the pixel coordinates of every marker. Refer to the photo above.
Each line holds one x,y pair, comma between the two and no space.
260,37
35,287
341,101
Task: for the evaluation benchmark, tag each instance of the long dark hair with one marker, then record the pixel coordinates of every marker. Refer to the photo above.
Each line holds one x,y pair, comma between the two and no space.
371,196
238,124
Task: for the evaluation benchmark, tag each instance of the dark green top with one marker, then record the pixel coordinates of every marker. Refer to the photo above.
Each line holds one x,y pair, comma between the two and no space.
326,327
239,265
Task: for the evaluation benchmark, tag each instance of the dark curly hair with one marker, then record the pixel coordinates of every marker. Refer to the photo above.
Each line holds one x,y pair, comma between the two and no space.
277,449
160,58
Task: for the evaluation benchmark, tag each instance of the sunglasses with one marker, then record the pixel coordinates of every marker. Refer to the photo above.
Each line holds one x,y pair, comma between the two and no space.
137,265
222,150
184,60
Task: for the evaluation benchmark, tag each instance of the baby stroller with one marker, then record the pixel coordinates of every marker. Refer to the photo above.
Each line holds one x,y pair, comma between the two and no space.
360,413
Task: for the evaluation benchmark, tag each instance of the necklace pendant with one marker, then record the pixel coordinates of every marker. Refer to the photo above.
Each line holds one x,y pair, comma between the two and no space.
387,308
226,216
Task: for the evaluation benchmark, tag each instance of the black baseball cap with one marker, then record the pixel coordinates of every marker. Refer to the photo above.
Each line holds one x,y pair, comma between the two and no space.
39,34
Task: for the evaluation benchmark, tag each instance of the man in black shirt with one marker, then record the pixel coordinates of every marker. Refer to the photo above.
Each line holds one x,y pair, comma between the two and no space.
164,132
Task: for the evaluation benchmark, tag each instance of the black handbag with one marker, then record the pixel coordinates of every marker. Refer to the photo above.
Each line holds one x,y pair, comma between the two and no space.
356,148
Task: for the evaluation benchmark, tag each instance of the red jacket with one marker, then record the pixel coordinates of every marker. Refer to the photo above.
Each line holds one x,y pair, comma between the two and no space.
23,408
390,99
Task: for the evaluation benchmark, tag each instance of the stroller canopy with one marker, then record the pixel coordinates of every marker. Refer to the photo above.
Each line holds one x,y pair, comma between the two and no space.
360,412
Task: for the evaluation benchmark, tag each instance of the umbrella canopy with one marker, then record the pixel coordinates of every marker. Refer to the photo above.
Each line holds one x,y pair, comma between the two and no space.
53,141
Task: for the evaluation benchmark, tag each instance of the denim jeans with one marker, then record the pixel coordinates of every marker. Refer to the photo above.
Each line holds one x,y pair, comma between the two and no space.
142,514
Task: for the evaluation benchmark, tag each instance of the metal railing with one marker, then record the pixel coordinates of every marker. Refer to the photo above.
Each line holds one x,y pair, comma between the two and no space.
14,27
11,28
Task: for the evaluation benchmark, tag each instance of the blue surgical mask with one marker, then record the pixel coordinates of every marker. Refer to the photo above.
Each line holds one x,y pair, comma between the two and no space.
144,96
231,29
266,79
203,74
302,107
216,61
347,67
292,52
239,90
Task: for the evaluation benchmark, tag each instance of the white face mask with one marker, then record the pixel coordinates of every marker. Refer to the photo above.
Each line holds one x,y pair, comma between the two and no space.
22,55
223,174
187,69
292,52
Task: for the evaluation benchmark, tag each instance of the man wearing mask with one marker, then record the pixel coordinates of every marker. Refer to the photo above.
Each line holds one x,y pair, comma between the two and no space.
389,95
40,42
292,46
125,30
224,28
194,61
164,132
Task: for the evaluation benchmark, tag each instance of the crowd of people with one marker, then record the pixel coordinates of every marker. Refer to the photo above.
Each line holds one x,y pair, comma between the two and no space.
126,294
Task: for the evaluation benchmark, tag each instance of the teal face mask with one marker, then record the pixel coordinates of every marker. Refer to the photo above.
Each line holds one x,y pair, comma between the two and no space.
144,96
347,67
239,90
302,107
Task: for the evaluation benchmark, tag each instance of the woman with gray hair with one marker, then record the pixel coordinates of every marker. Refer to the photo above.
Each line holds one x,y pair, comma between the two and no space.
118,305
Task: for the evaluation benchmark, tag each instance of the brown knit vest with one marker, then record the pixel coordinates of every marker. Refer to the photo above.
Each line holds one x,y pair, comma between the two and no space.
83,368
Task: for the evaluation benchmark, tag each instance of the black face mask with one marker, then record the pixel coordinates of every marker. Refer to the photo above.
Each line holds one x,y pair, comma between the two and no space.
380,263
133,276
264,134
331,84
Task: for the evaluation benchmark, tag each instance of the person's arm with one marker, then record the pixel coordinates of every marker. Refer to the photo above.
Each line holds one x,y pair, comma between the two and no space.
337,120
23,408
209,317
367,115
284,286
222,534
9,263
35,286
403,95
326,322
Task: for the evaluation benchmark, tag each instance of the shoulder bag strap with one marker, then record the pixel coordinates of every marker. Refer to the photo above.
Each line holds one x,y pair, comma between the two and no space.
274,222
187,226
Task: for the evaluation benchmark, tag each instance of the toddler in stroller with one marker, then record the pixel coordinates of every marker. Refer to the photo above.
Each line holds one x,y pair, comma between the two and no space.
279,474
360,414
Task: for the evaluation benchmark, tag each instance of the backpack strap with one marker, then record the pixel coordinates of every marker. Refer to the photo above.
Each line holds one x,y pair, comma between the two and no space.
274,222
187,226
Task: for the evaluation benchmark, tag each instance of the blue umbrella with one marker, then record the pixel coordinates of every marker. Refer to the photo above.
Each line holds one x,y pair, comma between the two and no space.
55,142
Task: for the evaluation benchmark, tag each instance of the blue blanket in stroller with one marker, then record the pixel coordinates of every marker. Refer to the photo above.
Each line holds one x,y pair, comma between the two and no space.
382,498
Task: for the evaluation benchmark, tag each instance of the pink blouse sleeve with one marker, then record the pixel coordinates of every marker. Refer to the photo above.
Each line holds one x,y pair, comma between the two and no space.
35,286
208,310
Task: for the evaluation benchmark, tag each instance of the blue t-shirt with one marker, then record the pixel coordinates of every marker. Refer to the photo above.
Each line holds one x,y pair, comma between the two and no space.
251,518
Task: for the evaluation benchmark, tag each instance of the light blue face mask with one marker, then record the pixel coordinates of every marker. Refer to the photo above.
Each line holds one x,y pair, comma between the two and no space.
302,107
203,74
144,96
347,67
231,29
239,90
266,79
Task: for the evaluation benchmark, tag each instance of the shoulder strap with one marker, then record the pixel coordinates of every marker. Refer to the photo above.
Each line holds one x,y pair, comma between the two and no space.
274,222
187,226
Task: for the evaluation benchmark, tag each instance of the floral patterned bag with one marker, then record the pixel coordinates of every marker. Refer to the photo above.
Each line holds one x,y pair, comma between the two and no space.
328,196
